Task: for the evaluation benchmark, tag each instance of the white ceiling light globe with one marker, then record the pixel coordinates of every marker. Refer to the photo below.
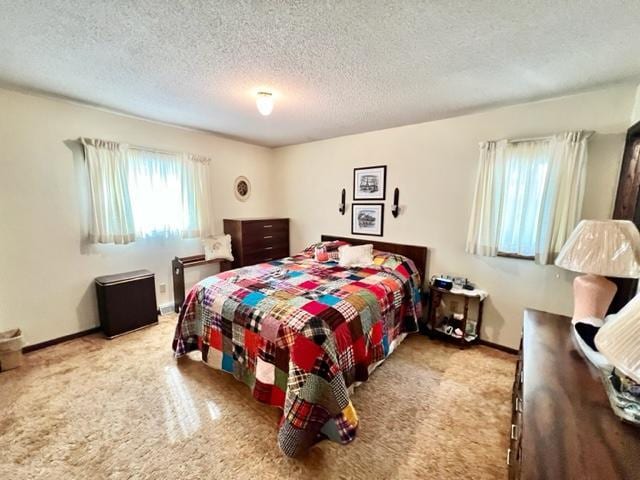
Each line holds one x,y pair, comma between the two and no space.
264,102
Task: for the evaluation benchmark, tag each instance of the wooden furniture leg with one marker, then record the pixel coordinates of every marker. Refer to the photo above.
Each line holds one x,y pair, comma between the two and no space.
464,321
434,303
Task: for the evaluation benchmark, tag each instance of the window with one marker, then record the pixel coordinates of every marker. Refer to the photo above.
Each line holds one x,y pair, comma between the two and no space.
162,195
526,167
528,196
139,193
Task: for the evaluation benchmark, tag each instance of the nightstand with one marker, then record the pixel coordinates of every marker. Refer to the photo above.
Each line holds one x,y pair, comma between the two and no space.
437,326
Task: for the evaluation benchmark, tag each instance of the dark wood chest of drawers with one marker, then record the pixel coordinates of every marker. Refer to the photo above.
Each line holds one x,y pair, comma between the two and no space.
256,240
562,424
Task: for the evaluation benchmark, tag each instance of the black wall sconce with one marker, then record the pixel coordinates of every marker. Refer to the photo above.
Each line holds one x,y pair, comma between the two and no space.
343,205
395,210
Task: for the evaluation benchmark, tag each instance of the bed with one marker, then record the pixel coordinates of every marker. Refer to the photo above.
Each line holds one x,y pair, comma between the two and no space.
301,333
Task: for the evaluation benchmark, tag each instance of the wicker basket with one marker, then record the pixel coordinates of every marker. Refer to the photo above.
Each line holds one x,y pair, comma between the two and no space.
10,349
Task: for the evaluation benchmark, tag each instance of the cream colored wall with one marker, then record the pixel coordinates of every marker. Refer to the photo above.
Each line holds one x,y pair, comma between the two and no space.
46,266
434,164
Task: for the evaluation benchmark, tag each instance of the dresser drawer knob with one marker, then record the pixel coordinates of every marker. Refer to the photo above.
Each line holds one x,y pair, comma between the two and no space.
509,456
268,236
268,248
267,226
514,432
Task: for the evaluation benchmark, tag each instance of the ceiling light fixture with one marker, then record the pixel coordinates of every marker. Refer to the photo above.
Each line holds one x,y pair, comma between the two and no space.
264,102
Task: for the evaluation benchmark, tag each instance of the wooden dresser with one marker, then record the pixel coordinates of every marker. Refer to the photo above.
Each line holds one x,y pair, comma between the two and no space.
255,240
562,425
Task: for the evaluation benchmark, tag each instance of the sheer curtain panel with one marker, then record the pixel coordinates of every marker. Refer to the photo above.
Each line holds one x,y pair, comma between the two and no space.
563,195
482,238
111,213
197,193
525,177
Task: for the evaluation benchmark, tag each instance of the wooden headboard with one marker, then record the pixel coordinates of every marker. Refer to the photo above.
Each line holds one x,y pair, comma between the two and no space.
415,253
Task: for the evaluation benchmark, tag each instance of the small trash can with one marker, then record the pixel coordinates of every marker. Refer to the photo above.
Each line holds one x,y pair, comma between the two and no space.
10,349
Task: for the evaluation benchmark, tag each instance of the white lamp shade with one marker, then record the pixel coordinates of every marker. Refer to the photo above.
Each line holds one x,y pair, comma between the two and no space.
619,339
610,248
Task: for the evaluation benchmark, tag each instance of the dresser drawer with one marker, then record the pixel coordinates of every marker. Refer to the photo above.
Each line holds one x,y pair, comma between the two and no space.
265,256
267,248
257,228
265,240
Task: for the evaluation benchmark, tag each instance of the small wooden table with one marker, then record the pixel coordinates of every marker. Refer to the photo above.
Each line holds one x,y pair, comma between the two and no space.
178,264
435,299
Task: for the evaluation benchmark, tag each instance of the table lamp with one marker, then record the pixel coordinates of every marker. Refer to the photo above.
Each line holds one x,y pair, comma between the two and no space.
599,249
618,340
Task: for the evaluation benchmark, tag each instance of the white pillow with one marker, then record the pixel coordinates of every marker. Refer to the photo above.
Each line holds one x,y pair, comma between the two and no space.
216,247
358,256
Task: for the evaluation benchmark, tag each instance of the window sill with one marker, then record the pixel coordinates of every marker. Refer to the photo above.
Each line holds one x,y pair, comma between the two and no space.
515,255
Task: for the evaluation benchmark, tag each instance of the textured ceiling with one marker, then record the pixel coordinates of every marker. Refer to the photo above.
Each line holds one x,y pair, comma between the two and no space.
337,67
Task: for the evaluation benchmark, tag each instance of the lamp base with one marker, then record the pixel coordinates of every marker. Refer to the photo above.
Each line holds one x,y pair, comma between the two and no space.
592,295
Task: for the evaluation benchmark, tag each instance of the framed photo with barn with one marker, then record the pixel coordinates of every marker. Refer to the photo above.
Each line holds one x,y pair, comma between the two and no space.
369,183
367,218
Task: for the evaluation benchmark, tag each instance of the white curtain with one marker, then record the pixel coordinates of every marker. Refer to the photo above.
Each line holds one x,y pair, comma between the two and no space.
482,238
160,194
525,176
563,195
111,214
197,194
528,196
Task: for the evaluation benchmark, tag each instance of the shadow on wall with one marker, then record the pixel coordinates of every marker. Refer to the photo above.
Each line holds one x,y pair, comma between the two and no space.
87,309
492,322
83,197
602,175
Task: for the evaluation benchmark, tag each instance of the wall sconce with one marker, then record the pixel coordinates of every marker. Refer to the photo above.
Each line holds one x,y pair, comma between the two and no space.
343,206
395,210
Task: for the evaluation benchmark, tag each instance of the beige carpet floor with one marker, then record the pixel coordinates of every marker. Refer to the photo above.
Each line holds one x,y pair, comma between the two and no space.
125,408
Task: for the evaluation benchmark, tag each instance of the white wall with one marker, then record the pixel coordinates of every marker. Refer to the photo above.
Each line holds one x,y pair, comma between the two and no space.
434,164
46,266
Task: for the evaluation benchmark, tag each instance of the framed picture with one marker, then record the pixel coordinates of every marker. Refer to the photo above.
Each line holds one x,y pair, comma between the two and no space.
369,183
367,218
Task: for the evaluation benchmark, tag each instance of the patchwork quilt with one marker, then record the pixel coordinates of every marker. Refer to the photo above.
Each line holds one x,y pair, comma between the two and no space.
300,332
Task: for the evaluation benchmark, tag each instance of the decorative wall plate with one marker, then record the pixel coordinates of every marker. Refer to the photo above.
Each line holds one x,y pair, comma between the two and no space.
242,188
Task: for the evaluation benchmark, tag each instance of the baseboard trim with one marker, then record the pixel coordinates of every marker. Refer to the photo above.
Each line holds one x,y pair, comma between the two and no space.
498,346
55,341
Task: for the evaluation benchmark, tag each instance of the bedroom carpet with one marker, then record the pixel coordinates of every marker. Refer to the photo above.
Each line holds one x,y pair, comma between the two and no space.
125,408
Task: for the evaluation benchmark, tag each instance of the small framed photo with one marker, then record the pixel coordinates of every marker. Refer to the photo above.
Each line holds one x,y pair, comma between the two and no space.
369,183
367,218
